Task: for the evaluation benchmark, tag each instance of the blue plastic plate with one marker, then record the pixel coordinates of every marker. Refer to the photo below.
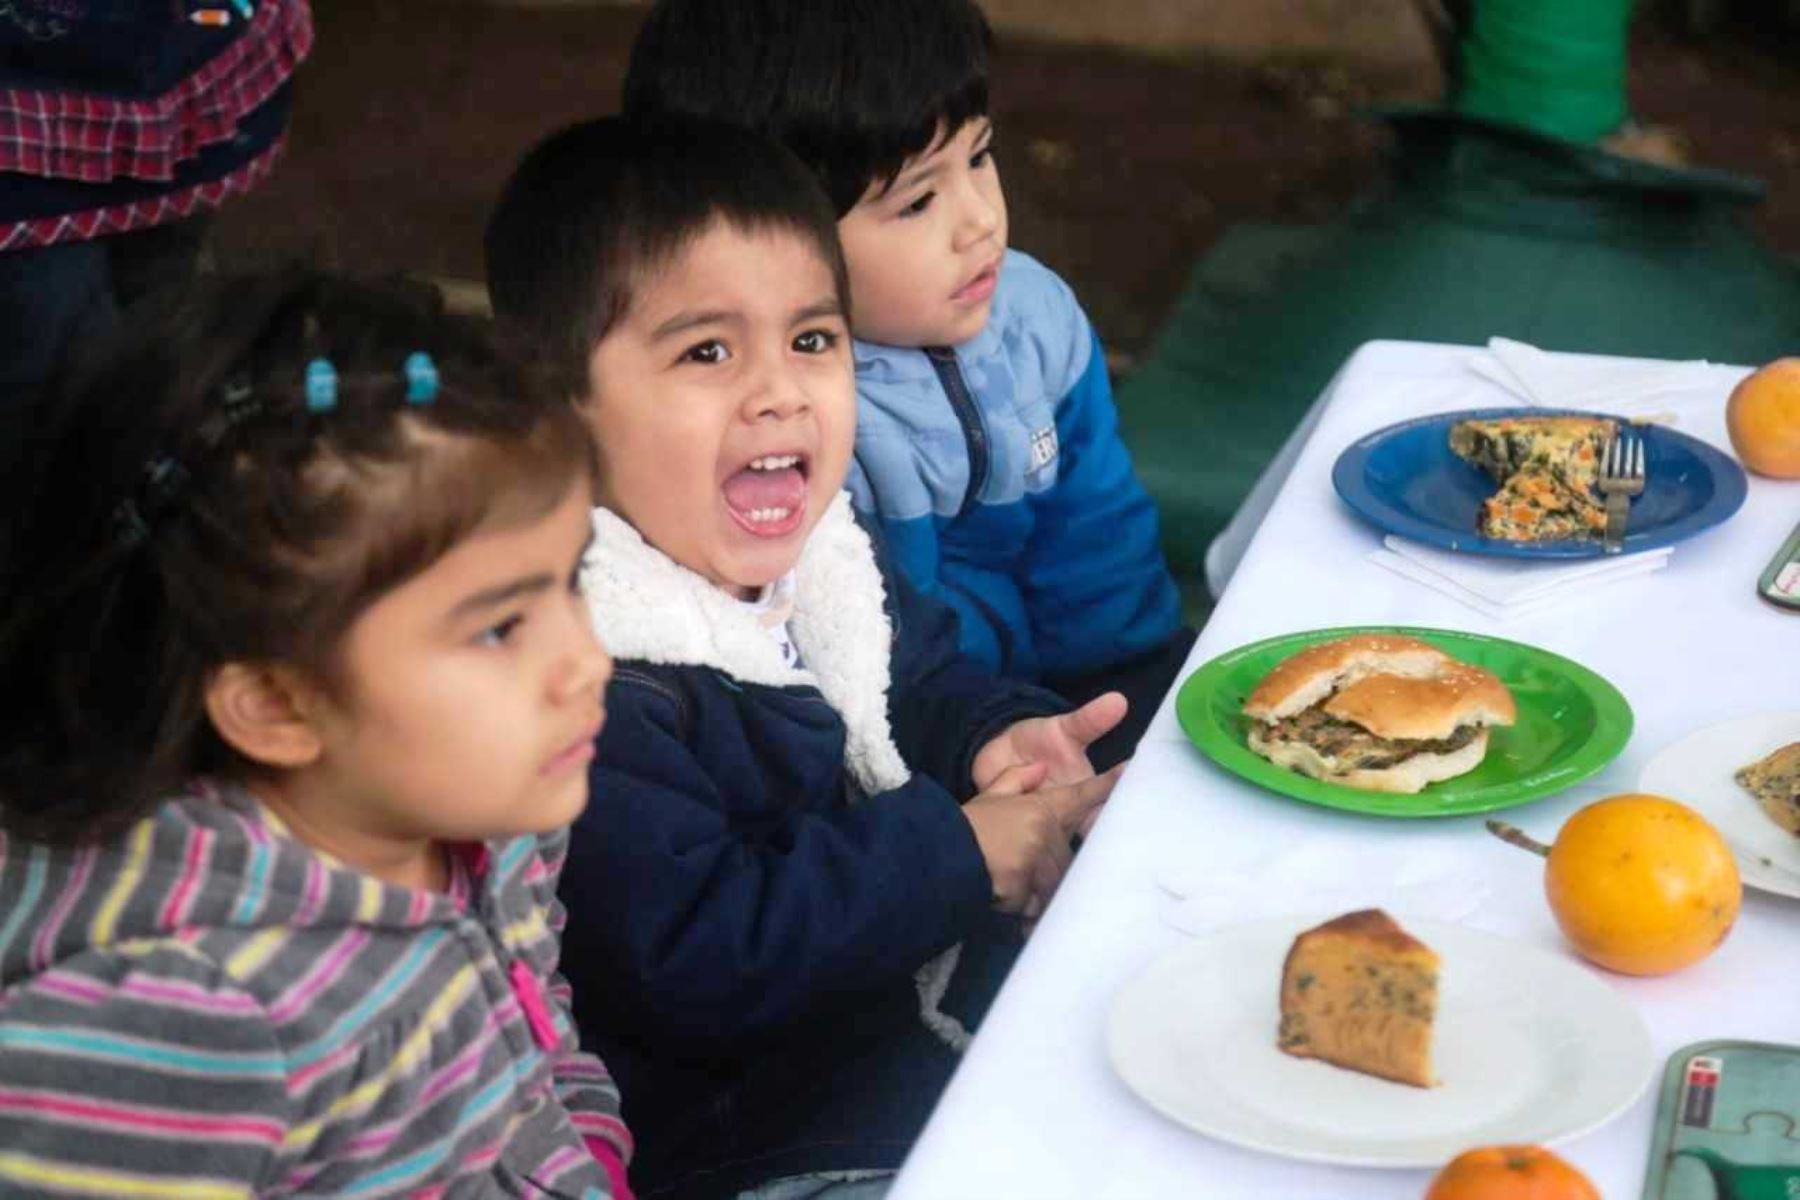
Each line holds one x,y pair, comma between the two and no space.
1404,479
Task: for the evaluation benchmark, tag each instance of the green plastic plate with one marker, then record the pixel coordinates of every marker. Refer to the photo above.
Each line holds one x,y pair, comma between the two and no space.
1571,724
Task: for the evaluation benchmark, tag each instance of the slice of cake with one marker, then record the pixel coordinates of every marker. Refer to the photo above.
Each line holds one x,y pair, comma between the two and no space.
1360,992
1775,782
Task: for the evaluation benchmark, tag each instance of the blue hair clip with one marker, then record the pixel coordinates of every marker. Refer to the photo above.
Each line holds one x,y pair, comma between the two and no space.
321,386
421,378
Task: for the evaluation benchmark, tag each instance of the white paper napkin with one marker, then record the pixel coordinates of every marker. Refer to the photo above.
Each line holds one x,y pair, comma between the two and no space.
1317,876
1628,388
1506,588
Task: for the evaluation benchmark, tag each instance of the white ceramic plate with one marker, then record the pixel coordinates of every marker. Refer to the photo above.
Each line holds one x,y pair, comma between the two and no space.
1530,1048
1698,771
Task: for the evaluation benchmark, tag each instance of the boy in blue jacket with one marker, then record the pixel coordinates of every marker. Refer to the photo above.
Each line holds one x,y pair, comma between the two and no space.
777,860
987,446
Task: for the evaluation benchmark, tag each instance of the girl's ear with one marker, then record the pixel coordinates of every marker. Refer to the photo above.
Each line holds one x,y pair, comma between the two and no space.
263,714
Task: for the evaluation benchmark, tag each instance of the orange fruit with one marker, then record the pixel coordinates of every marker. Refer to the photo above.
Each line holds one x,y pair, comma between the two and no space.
1642,885
1763,418
1510,1173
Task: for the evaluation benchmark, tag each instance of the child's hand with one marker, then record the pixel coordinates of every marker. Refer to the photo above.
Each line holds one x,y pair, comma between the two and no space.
1060,743
1023,826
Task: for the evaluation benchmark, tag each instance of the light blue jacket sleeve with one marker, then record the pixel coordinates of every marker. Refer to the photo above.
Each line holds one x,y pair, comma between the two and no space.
916,550
1097,585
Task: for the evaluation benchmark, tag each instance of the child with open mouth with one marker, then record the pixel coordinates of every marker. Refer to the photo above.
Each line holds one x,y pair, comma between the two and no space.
810,794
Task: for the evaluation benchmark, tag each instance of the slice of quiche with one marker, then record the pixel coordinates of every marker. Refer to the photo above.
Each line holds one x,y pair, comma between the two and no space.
1775,782
1547,468
1535,505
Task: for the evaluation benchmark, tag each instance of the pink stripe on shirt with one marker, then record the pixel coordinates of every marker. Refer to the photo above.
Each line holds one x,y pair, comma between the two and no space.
123,1118
318,976
195,863
164,993
44,944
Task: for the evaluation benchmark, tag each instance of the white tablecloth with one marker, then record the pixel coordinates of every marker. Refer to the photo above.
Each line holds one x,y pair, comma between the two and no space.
1036,1110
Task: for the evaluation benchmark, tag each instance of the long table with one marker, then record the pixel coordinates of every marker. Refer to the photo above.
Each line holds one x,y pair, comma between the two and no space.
1037,1111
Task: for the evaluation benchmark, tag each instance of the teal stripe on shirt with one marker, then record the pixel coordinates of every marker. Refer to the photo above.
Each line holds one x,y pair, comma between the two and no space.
429,1157
403,974
514,855
255,885
228,1063
28,898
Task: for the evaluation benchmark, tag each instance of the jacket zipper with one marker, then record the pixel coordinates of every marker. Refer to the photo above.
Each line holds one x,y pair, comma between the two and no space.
968,414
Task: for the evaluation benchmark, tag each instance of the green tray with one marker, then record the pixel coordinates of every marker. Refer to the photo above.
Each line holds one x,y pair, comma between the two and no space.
1727,1124
1571,723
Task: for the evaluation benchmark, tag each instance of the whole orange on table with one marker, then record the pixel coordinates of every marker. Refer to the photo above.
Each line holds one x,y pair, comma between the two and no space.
1763,418
1510,1173
1642,884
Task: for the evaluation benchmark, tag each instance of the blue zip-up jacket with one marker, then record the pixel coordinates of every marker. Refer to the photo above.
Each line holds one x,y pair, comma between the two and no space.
997,475
770,855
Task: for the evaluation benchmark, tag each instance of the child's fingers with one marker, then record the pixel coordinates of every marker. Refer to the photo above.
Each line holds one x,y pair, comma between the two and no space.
1047,872
1057,854
1011,901
1075,803
1087,823
1018,778
1029,915
1096,718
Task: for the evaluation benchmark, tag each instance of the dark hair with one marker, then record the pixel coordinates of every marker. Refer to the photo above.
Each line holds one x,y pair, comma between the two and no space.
598,207
191,511
854,87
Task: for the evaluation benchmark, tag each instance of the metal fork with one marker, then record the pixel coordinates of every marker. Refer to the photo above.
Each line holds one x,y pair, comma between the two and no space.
1621,479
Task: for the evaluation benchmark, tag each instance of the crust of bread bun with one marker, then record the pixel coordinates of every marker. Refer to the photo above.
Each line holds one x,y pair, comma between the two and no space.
1392,706
1407,776
1302,680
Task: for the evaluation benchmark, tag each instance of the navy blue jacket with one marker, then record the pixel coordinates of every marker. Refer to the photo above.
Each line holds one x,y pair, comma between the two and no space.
744,923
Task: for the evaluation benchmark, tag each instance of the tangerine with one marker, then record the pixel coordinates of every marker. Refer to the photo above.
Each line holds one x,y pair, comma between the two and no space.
1763,418
1642,885
1510,1173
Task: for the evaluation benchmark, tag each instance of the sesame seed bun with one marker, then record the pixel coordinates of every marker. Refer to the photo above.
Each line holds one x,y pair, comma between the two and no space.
1436,706
1403,694
1302,680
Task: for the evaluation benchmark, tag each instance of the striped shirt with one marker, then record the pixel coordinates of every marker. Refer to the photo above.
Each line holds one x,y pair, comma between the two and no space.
206,1007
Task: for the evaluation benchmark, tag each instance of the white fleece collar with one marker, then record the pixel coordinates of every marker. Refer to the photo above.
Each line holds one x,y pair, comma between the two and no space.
648,607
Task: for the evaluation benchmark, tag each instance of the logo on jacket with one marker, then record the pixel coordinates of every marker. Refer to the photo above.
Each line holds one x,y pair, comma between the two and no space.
1043,448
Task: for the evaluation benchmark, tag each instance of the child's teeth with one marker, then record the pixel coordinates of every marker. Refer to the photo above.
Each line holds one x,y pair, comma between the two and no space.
770,514
774,462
